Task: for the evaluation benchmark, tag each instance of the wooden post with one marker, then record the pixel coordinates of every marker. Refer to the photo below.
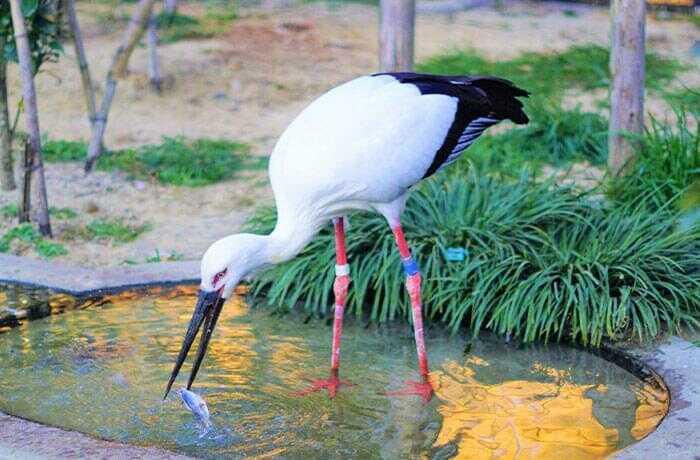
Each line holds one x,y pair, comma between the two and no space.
32,117
7,174
117,69
396,35
153,62
88,88
627,80
25,202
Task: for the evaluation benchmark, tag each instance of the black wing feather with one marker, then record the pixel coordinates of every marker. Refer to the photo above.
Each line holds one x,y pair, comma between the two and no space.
483,101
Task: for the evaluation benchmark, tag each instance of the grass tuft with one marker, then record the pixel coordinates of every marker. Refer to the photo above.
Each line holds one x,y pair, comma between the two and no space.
12,210
113,229
28,235
173,27
667,169
685,100
175,161
60,150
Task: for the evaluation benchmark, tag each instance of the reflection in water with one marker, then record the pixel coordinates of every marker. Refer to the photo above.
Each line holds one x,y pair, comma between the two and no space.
102,370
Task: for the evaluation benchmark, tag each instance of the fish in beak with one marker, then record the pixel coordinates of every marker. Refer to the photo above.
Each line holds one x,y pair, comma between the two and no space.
207,310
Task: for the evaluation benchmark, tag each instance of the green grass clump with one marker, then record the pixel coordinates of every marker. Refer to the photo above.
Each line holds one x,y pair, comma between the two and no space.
667,168
695,20
9,210
173,27
12,210
60,150
541,263
63,213
685,99
29,235
553,136
201,162
113,229
583,67
175,161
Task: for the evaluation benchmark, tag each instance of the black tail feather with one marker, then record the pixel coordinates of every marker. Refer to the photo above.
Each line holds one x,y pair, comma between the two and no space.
503,96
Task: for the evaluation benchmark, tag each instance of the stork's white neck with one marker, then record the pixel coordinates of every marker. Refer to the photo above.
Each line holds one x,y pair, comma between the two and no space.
243,254
288,238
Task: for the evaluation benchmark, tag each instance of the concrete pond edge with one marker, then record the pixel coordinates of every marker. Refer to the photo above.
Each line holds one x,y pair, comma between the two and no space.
675,361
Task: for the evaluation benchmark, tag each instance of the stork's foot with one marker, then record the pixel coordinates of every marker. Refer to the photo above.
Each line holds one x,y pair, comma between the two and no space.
423,389
332,384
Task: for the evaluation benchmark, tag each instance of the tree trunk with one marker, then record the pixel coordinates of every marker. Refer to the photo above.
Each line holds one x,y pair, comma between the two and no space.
32,118
117,69
170,6
7,176
153,61
88,88
396,35
627,75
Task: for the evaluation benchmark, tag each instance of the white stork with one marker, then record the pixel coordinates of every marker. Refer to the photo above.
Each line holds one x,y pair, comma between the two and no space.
360,146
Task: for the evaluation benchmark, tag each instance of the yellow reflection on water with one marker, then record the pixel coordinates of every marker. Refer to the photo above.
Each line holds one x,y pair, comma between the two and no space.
522,419
653,406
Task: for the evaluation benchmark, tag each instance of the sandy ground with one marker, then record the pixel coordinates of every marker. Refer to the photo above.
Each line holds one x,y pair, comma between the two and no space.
248,84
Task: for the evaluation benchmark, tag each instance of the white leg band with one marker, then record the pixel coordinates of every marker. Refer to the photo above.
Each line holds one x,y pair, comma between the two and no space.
342,270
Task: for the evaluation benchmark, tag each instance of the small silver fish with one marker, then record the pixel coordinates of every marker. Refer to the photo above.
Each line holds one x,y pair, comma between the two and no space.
195,404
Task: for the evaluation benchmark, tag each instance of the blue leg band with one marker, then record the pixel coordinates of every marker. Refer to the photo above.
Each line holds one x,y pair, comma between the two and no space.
409,266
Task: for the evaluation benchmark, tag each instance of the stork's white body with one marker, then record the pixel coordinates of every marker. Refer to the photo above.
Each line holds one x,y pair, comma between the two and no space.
359,146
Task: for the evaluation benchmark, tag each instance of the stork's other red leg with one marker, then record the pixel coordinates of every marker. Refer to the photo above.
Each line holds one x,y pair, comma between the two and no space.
340,289
413,282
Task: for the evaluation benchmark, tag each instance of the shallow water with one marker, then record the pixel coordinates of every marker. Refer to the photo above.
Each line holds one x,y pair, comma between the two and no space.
102,371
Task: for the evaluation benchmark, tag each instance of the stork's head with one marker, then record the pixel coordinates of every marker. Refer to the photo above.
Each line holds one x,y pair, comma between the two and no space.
224,264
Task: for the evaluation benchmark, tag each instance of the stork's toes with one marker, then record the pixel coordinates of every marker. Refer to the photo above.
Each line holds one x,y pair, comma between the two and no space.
332,384
423,389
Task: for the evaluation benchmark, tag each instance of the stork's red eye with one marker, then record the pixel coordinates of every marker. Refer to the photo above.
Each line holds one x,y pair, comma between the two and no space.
218,277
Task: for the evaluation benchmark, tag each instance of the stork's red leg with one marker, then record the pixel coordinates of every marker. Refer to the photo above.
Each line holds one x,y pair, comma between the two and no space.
340,289
421,388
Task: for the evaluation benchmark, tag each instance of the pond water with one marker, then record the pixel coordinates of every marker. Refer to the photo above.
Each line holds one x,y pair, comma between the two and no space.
102,371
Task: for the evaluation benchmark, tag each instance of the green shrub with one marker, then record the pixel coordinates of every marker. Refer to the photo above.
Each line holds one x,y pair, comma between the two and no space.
113,229
175,161
12,210
195,163
178,26
553,136
59,150
28,234
541,263
9,210
63,213
667,166
695,19
685,99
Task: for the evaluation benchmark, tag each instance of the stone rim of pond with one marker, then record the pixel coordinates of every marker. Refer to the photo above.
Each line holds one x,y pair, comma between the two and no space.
670,365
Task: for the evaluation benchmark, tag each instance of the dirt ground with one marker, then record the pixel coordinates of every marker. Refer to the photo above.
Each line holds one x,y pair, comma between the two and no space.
248,84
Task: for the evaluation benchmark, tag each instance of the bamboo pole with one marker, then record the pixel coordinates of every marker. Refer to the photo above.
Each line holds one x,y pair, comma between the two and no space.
24,197
117,69
396,35
32,118
627,90
7,176
154,76
85,77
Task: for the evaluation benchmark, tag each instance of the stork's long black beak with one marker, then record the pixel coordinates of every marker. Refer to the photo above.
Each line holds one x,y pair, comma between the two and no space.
207,310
